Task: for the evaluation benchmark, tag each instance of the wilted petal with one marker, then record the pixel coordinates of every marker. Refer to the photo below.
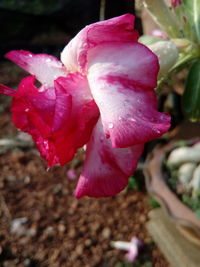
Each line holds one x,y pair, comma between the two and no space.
119,29
46,68
134,248
106,170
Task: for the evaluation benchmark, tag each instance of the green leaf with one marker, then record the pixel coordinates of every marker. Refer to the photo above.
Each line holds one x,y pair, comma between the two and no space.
153,203
191,96
192,9
133,184
163,17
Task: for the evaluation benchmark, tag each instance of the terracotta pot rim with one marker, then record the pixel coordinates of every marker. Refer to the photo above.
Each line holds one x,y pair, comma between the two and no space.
183,216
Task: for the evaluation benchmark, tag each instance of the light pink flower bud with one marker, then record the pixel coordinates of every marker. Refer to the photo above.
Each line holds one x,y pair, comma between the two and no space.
176,3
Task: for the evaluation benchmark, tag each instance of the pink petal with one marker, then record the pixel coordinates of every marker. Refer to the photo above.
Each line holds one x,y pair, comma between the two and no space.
83,117
133,252
32,112
46,68
133,62
176,3
121,87
6,90
59,119
106,170
119,29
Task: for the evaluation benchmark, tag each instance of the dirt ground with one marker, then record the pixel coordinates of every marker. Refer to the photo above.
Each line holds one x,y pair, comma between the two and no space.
42,224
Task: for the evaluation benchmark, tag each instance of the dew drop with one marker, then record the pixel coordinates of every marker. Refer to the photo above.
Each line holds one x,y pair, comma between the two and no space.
110,125
27,110
30,55
46,145
48,60
158,131
132,119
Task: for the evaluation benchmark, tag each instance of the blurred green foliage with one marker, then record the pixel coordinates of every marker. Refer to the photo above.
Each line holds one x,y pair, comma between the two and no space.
133,184
191,96
153,203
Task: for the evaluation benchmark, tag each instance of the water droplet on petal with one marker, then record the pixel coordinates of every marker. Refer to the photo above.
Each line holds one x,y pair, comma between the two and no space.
132,119
27,110
46,144
48,60
110,125
30,55
158,131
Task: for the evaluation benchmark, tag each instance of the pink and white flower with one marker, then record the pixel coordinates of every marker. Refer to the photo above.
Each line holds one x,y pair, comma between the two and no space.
131,247
100,95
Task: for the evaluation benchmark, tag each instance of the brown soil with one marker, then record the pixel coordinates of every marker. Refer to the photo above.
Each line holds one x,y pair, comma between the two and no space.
60,230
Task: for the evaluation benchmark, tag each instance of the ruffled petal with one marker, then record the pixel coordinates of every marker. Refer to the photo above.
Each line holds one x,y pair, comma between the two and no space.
129,113
46,68
121,79
106,170
59,119
33,112
119,29
83,117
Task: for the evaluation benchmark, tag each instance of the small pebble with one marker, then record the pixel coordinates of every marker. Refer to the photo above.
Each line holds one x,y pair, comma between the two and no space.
106,233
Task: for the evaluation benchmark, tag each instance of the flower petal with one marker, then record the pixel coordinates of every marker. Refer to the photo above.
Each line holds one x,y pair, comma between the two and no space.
59,119
46,68
6,90
83,117
119,29
132,62
33,112
122,88
106,170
